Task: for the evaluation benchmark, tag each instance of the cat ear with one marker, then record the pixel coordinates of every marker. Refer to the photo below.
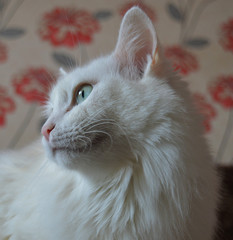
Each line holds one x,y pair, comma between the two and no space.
137,44
62,72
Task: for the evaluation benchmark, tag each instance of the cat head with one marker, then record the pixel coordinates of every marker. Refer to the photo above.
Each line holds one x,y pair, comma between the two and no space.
99,114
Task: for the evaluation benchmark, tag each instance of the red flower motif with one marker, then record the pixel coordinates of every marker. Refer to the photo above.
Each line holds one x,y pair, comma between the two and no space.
33,84
226,39
150,13
206,110
182,60
222,91
7,105
68,27
3,53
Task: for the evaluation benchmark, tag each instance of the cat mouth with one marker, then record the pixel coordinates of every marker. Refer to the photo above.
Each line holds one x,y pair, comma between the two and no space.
92,145
69,149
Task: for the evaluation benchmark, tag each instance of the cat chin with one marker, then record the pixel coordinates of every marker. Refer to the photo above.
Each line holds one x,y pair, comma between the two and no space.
63,159
81,161
61,156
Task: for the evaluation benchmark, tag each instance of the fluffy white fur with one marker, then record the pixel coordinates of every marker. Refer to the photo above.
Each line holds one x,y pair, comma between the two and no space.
128,163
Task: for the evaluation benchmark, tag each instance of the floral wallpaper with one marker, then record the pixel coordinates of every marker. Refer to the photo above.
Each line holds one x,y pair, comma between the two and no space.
39,37
68,27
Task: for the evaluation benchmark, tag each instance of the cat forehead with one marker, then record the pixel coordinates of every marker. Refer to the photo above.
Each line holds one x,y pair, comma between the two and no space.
96,71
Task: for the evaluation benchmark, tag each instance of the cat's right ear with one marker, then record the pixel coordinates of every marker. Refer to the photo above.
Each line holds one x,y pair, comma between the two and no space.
137,49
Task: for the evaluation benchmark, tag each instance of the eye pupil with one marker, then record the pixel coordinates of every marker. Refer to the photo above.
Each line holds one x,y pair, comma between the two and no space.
83,93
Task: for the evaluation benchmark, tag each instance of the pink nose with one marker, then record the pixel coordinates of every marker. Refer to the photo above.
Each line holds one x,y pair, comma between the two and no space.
47,129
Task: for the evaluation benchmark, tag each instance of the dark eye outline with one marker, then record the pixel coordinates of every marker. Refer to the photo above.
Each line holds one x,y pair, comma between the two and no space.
81,92
77,89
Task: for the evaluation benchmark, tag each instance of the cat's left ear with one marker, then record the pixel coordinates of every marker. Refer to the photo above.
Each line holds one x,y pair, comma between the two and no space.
62,72
137,48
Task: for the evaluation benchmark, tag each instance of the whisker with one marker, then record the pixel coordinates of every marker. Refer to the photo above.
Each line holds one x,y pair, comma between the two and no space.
112,121
89,118
98,131
85,122
88,125
99,123
72,37
89,140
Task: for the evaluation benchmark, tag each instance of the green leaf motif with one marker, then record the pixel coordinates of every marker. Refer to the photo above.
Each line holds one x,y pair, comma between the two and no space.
12,32
175,12
2,4
102,15
64,60
197,42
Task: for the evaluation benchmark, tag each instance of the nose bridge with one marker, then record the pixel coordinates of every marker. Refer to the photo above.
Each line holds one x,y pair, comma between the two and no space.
50,124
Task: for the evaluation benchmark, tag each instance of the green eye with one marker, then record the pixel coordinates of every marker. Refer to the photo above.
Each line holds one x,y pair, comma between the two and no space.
83,93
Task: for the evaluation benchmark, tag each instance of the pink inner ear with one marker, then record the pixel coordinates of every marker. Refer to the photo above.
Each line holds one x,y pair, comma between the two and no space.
144,50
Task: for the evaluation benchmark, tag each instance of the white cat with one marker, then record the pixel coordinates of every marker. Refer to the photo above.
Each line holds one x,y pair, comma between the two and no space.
124,154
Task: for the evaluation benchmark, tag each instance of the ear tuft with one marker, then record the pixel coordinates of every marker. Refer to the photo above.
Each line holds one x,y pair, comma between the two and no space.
137,39
62,71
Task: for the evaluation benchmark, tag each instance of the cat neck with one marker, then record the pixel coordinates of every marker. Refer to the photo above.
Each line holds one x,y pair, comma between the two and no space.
111,167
